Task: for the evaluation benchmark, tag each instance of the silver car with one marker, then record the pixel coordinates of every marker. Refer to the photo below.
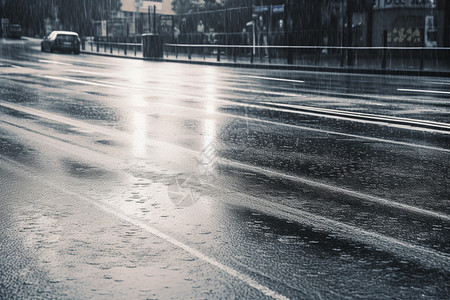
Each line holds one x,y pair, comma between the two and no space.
62,41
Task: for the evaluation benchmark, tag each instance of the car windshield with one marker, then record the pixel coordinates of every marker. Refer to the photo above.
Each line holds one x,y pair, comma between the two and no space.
52,35
67,37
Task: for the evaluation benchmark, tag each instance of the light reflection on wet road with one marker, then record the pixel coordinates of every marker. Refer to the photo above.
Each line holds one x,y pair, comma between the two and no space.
135,179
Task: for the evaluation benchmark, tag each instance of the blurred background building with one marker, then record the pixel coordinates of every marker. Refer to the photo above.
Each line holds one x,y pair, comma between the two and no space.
278,22
408,23
133,18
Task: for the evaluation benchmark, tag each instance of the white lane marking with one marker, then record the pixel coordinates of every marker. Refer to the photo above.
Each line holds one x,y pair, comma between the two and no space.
88,61
275,79
77,123
9,65
447,83
112,211
359,114
122,86
109,83
261,92
61,119
364,197
424,91
26,64
269,172
242,277
88,72
80,81
426,256
359,137
302,91
97,83
383,122
55,62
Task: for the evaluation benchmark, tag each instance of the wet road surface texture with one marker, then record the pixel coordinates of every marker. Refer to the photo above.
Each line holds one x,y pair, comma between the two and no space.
148,180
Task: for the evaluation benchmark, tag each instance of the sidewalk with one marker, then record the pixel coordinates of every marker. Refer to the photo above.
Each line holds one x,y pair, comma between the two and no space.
314,65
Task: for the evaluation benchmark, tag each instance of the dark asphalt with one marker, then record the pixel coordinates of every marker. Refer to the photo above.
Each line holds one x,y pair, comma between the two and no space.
136,179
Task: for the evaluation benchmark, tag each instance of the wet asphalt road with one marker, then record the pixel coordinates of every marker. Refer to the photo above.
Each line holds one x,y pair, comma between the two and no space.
133,179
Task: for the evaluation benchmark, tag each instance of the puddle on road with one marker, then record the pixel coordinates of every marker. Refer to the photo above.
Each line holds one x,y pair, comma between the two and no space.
305,252
83,170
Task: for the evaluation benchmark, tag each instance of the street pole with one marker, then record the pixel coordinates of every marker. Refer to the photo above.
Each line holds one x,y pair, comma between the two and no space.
149,18
343,53
289,27
154,19
136,29
350,31
446,5
369,7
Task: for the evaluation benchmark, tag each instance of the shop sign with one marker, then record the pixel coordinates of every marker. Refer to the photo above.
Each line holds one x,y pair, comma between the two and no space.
260,9
104,28
166,24
381,4
430,32
400,36
278,9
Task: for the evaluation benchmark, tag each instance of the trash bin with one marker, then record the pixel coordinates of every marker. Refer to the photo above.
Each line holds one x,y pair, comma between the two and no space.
152,45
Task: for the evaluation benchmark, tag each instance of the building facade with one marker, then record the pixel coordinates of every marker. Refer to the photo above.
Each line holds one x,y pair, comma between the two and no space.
355,23
361,23
163,7
405,23
136,17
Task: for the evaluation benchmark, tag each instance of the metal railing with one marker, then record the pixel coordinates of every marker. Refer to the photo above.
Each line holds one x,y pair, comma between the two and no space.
383,58
411,58
114,48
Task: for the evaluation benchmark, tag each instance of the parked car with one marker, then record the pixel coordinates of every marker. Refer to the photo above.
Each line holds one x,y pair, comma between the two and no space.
15,31
62,41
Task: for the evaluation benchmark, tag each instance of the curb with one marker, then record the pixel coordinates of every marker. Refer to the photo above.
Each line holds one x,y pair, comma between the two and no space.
110,55
403,72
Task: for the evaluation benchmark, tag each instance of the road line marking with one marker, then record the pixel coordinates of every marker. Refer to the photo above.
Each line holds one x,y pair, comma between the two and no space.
112,211
97,83
81,81
286,212
77,123
269,172
415,253
447,83
380,122
242,277
378,118
60,119
122,86
275,79
261,92
424,91
360,137
359,195
88,72
55,62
